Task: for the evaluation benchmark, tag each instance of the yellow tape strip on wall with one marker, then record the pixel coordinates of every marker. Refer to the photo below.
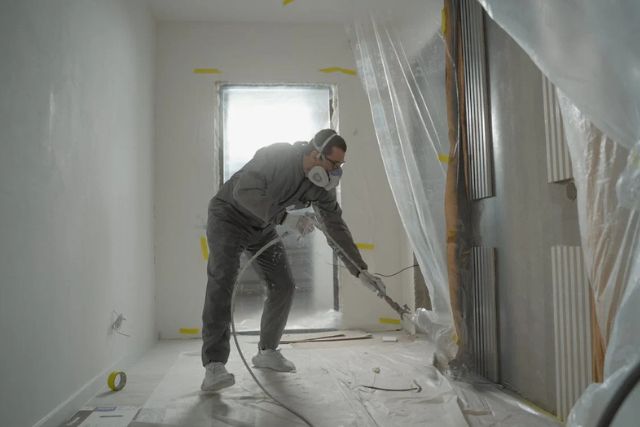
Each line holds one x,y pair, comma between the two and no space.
389,321
444,158
365,246
443,24
204,248
206,71
286,2
189,331
347,71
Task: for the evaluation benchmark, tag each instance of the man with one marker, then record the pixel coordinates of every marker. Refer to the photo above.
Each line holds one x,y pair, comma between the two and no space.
243,216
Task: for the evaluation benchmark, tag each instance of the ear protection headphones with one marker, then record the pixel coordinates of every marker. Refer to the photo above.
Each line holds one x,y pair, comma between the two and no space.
323,145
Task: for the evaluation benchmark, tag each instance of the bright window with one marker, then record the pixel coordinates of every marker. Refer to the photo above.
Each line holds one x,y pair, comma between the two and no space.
256,116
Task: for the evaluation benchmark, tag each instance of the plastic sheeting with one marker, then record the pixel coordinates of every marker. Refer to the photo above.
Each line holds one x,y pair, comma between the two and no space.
609,230
589,49
401,61
327,389
610,235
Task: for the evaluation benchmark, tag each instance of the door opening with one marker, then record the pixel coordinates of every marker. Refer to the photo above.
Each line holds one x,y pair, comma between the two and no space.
254,116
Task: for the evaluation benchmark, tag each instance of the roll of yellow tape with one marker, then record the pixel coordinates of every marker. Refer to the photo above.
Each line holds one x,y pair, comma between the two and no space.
117,380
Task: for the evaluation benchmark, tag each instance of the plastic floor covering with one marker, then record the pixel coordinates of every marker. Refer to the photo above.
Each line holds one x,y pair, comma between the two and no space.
328,388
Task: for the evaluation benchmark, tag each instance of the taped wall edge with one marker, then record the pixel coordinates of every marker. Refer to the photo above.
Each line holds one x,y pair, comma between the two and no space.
452,196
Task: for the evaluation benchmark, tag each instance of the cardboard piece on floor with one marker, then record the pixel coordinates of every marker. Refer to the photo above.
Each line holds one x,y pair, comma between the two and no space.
473,403
119,416
78,418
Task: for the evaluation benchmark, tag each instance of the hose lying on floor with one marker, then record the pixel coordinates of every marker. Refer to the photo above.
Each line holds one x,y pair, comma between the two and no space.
402,311
235,338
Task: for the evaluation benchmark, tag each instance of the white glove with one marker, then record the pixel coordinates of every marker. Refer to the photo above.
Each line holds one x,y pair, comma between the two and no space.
373,283
302,223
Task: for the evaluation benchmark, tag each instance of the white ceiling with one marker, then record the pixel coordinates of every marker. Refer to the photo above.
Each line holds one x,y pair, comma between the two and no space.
270,11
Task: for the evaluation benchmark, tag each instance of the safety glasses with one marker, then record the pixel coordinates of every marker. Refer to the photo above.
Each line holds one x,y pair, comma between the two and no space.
335,164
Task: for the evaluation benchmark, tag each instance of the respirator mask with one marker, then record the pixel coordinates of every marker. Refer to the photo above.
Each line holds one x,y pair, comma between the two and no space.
321,177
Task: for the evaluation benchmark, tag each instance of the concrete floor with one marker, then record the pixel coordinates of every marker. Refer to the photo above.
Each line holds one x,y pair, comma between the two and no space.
163,390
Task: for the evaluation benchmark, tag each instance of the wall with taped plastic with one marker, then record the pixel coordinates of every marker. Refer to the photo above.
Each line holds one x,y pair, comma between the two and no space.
186,176
76,200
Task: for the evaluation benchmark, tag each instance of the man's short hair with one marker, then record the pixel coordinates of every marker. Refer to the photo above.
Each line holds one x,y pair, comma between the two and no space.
321,137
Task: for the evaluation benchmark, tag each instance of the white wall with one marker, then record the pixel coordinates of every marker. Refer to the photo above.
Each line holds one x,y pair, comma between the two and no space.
185,154
76,241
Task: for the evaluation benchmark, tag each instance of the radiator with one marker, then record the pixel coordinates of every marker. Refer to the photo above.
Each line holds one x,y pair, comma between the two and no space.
572,326
478,125
484,334
558,160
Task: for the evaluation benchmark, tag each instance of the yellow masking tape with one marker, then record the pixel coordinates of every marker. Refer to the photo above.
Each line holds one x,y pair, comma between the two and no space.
206,71
444,158
189,331
117,380
634,159
348,71
443,24
204,248
537,408
286,2
365,246
389,321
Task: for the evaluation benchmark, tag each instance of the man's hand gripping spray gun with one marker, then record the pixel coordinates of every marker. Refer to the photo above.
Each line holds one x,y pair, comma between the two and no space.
401,310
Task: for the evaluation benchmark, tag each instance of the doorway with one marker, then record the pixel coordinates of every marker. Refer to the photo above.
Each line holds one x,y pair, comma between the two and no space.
254,116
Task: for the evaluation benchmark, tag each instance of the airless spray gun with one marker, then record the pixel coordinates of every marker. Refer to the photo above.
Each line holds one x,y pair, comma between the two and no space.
401,310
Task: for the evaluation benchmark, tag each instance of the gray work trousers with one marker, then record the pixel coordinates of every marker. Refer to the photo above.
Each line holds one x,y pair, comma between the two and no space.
229,235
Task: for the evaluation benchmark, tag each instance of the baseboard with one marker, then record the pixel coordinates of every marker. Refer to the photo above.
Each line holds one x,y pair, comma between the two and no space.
66,409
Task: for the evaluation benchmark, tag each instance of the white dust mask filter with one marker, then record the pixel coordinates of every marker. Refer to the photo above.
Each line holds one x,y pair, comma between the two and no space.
318,176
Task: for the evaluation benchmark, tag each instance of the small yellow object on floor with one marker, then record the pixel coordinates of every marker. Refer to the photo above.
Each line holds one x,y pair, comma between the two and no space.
117,380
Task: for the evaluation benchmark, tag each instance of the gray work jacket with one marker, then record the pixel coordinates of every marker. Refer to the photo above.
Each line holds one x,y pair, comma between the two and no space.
274,180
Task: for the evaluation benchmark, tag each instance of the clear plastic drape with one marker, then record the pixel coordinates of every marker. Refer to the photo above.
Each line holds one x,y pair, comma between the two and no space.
610,235
589,49
609,230
401,62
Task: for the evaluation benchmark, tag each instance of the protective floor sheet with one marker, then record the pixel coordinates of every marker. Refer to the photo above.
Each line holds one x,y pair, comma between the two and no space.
486,405
327,389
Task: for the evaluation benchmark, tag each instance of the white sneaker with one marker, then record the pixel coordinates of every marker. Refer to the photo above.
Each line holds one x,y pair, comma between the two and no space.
216,377
272,359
